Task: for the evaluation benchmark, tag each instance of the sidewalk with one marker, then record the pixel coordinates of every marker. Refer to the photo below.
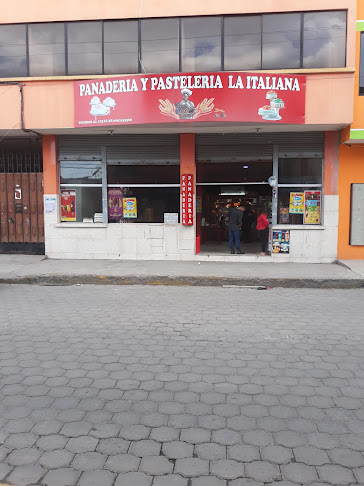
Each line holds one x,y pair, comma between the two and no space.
29,269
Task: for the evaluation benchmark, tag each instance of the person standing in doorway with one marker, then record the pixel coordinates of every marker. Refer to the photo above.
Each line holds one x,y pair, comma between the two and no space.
262,228
235,219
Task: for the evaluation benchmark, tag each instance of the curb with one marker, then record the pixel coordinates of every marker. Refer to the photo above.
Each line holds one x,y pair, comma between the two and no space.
66,280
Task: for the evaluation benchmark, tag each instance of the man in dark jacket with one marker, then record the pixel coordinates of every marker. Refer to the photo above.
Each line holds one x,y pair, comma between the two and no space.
235,219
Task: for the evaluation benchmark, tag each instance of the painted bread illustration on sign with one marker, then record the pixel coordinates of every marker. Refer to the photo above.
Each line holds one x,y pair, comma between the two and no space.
186,109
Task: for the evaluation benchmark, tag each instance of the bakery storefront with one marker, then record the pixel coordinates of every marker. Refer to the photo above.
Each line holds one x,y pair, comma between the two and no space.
154,160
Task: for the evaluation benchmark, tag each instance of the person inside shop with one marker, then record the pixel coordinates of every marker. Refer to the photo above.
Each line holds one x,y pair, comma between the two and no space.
262,228
235,218
248,220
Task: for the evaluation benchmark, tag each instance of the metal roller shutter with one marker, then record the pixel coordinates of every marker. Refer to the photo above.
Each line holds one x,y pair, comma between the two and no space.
123,149
235,147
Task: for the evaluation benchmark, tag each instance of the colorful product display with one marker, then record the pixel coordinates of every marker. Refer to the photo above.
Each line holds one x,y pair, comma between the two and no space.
115,203
280,241
284,216
296,202
130,207
68,205
312,213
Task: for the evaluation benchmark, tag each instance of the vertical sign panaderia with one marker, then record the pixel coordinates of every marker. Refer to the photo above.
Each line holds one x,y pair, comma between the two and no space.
187,199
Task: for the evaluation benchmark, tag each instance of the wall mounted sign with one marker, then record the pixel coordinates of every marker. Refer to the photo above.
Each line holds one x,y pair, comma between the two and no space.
170,218
187,199
190,97
296,202
281,241
115,203
312,213
68,205
130,207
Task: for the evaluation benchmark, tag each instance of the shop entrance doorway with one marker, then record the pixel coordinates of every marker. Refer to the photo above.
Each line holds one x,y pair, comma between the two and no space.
243,184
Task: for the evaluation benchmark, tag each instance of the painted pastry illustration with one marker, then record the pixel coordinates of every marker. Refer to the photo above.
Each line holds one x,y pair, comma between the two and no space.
271,112
110,102
186,109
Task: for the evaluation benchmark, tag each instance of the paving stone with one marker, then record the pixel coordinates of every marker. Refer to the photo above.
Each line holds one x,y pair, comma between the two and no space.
262,471
299,473
182,421
227,469
104,431
226,437
61,477
56,459
335,475
122,463
25,475
97,478
323,441
243,452
169,480
258,438
20,441
290,439
311,456
277,454
212,422
208,481
113,446
51,442
164,434
4,470
23,457
177,449
248,482
156,465
75,429
135,432
195,435
210,451
89,461
82,444
346,458
241,423
145,448
191,467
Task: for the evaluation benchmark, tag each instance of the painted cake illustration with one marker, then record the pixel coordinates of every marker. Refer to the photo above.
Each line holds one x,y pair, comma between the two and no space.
271,112
110,102
97,108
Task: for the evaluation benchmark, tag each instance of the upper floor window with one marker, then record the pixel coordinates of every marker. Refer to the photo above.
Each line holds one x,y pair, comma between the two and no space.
301,40
361,72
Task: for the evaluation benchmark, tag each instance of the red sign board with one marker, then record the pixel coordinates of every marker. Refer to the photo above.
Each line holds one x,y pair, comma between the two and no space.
190,97
187,199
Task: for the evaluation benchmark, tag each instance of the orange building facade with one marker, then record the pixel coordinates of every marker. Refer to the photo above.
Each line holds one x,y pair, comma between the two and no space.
351,164
261,158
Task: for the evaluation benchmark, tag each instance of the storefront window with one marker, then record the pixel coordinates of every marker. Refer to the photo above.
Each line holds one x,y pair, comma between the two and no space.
324,39
84,48
281,41
81,192
242,42
143,194
300,171
201,44
13,57
46,50
299,205
159,46
121,47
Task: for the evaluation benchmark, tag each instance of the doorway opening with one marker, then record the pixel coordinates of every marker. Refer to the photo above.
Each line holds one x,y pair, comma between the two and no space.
242,184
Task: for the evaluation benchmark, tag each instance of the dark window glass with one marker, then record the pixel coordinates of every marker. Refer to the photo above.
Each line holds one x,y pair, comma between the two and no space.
146,174
88,203
85,48
324,39
121,47
80,173
284,203
361,75
238,172
242,43
46,50
281,41
201,44
160,46
300,171
153,202
13,60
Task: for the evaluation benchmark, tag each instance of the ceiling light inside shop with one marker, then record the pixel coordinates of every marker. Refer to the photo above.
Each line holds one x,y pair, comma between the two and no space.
245,166
232,191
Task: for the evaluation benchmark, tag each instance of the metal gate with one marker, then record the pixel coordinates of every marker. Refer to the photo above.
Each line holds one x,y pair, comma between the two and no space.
21,201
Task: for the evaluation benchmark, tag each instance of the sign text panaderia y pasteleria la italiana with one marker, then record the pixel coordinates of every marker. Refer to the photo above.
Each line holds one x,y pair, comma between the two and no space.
179,82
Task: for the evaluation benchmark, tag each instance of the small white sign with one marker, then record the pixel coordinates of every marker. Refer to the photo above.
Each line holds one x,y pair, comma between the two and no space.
50,205
171,218
17,193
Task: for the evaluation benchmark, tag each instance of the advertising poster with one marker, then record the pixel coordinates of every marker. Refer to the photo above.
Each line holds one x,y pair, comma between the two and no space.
50,204
284,215
268,98
312,213
296,202
130,207
198,204
115,203
68,205
280,241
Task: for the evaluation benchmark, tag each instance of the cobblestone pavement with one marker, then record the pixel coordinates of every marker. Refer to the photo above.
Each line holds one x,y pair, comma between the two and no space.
169,386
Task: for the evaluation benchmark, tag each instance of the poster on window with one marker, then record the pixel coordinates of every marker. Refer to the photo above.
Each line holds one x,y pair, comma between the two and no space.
115,203
296,202
68,205
130,207
284,215
312,213
280,241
